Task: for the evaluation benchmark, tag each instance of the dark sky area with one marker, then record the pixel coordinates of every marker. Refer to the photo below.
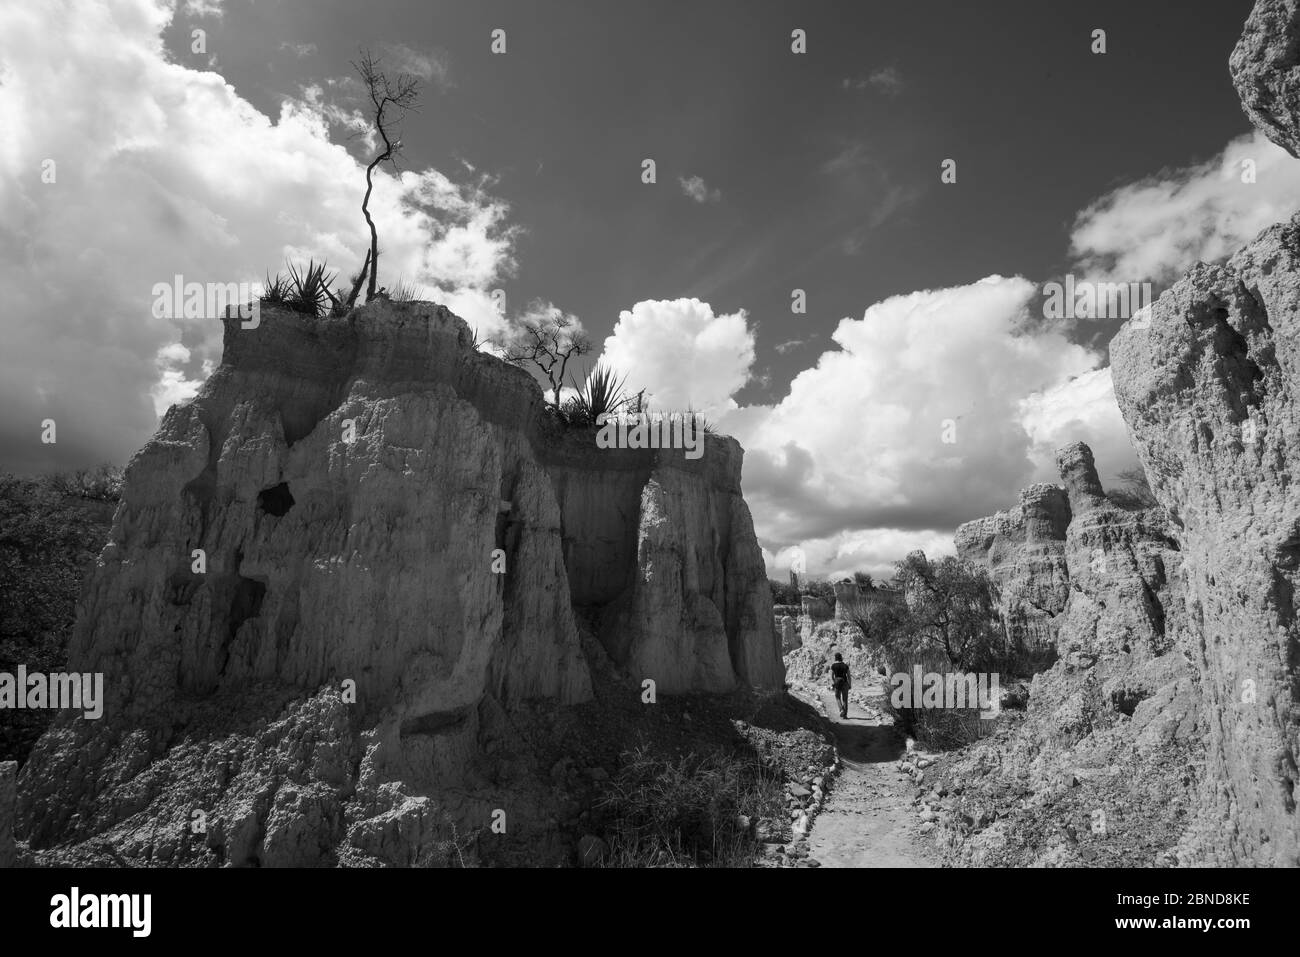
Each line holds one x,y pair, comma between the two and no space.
824,187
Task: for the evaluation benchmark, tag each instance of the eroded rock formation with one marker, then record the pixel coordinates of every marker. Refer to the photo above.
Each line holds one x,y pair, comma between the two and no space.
1265,68
1023,549
1209,385
1210,388
1097,772
338,572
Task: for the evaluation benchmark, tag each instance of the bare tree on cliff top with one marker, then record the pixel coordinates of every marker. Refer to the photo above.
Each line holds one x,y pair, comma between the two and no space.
547,338
391,99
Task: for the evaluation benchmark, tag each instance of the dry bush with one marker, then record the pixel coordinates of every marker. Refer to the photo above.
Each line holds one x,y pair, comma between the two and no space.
939,729
697,811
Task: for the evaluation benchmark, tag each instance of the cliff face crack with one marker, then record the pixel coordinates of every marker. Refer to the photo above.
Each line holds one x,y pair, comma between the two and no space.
245,603
436,722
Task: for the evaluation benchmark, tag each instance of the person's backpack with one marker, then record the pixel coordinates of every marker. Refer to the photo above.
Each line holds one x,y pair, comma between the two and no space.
842,680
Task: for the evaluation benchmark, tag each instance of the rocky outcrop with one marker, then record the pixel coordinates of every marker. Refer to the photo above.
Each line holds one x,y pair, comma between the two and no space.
1265,68
1186,619
1210,389
1122,568
785,619
680,594
339,571
1209,385
1023,550
1096,772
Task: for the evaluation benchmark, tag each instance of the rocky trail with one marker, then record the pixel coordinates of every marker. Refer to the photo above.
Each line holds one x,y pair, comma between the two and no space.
869,819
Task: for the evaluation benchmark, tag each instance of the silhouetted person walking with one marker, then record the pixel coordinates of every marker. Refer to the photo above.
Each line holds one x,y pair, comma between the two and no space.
841,682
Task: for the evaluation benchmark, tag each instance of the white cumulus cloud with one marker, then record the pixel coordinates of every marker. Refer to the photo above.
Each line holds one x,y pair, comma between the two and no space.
683,355
857,455
1156,229
152,169
1082,409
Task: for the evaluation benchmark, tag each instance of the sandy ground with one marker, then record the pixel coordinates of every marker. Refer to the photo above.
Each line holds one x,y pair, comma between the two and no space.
869,819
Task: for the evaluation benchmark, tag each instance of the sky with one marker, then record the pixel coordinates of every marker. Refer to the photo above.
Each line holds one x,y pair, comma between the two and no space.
924,383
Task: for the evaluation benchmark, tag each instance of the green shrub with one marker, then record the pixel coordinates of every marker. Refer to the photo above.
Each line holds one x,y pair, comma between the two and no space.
783,593
103,483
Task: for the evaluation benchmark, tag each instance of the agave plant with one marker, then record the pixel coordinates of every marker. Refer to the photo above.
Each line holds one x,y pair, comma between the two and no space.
310,289
277,289
601,394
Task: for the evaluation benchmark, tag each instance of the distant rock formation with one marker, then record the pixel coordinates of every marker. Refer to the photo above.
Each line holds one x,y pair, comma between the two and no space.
1116,718
1074,571
1122,569
786,622
846,591
399,550
852,598
1023,549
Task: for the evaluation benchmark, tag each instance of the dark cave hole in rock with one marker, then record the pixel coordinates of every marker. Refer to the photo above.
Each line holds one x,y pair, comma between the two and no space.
1126,700
275,500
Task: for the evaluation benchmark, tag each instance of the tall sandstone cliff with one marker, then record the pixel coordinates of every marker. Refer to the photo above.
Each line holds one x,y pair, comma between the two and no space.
401,550
1183,618
1210,389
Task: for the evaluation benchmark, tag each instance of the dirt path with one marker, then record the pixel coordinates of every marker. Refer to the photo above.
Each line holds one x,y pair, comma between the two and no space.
868,820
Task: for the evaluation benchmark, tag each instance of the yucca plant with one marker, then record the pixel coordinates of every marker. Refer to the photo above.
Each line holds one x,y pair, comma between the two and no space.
310,289
601,394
